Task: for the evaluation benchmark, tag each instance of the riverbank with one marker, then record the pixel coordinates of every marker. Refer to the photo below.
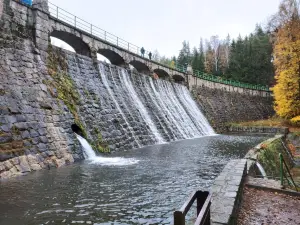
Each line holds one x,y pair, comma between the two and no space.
230,196
268,200
271,123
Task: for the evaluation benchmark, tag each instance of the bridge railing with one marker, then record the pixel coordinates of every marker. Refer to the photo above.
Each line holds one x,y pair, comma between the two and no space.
87,27
203,209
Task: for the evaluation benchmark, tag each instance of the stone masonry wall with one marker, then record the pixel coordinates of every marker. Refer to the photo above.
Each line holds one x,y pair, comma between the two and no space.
221,106
34,129
227,191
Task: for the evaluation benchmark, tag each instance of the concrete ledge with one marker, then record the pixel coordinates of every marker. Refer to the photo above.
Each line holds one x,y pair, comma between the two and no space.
227,191
270,189
266,130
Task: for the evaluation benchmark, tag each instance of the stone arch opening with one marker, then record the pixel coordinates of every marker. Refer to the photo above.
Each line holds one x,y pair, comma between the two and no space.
103,58
61,44
161,73
72,40
178,78
76,129
112,56
140,67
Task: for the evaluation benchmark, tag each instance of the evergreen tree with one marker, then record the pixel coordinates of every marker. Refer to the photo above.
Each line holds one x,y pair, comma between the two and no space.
184,57
201,63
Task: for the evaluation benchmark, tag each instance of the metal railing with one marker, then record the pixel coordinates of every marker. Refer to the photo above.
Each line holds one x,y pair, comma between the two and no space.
203,209
89,28
283,170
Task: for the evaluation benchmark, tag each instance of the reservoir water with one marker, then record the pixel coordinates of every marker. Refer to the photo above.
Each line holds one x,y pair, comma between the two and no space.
142,186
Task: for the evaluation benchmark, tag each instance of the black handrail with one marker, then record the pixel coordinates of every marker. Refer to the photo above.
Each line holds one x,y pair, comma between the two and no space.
203,208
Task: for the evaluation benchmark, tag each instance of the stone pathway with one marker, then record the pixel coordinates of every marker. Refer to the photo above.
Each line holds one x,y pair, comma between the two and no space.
264,207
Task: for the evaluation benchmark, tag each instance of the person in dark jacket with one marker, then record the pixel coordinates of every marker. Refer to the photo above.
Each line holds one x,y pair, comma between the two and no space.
143,51
150,55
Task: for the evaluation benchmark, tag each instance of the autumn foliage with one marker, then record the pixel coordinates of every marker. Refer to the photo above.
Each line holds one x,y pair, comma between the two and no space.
287,61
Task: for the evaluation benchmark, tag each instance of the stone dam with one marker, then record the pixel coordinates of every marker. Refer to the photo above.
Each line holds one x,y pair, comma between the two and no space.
46,93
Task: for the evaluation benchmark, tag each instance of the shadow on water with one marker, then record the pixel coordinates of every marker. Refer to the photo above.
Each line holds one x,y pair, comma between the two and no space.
143,193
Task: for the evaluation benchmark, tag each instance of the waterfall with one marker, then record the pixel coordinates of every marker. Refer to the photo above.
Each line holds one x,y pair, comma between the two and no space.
144,113
198,118
88,152
91,156
133,110
105,82
261,170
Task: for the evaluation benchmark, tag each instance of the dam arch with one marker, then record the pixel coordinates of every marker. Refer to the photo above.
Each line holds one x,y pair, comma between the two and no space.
178,78
75,42
112,56
161,73
140,66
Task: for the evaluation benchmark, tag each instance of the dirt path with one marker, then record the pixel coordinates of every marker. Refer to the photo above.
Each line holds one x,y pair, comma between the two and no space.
265,208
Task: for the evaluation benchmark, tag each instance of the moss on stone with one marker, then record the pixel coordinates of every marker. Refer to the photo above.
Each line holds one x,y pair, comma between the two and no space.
62,86
15,130
100,145
269,157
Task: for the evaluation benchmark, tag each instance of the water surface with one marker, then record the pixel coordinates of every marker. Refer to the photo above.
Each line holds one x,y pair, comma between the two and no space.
144,192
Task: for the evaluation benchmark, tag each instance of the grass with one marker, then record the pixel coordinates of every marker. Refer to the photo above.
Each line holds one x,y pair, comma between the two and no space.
271,122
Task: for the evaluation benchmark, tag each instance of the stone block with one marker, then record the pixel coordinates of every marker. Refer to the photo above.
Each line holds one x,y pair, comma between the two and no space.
24,164
35,167
33,133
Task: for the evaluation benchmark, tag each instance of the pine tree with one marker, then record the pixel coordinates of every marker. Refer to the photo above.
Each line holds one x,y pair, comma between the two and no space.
184,57
201,65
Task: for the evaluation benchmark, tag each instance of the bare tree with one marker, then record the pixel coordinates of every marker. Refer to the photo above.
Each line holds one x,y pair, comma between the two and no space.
215,44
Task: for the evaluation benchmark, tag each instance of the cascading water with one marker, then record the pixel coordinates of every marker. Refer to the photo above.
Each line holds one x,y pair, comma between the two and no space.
261,170
199,119
90,155
132,110
105,82
125,78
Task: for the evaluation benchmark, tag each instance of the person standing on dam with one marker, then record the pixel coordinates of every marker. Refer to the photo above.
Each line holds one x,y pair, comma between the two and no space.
150,55
142,51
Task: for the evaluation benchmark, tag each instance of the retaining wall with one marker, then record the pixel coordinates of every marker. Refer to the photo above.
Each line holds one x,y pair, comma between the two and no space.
227,191
222,106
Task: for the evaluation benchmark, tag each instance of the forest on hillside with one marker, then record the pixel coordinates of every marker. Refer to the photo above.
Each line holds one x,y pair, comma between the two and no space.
246,59
269,56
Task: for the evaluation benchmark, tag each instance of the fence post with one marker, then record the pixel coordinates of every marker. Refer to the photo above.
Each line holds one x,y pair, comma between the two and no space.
57,12
281,169
75,21
117,41
105,35
128,46
91,28
179,218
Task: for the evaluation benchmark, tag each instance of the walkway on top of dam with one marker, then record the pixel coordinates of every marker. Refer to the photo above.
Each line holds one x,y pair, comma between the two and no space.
87,39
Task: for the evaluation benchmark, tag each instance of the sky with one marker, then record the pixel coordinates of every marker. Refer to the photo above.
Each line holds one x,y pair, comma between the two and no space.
164,24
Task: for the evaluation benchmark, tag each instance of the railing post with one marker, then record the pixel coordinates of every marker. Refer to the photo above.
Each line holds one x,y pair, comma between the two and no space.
91,28
57,12
75,21
179,218
117,41
128,46
281,169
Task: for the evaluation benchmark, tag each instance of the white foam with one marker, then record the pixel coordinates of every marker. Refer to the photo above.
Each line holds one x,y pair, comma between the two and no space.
92,158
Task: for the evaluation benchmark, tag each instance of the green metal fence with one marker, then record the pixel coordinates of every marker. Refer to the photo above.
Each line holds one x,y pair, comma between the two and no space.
285,174
89,28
